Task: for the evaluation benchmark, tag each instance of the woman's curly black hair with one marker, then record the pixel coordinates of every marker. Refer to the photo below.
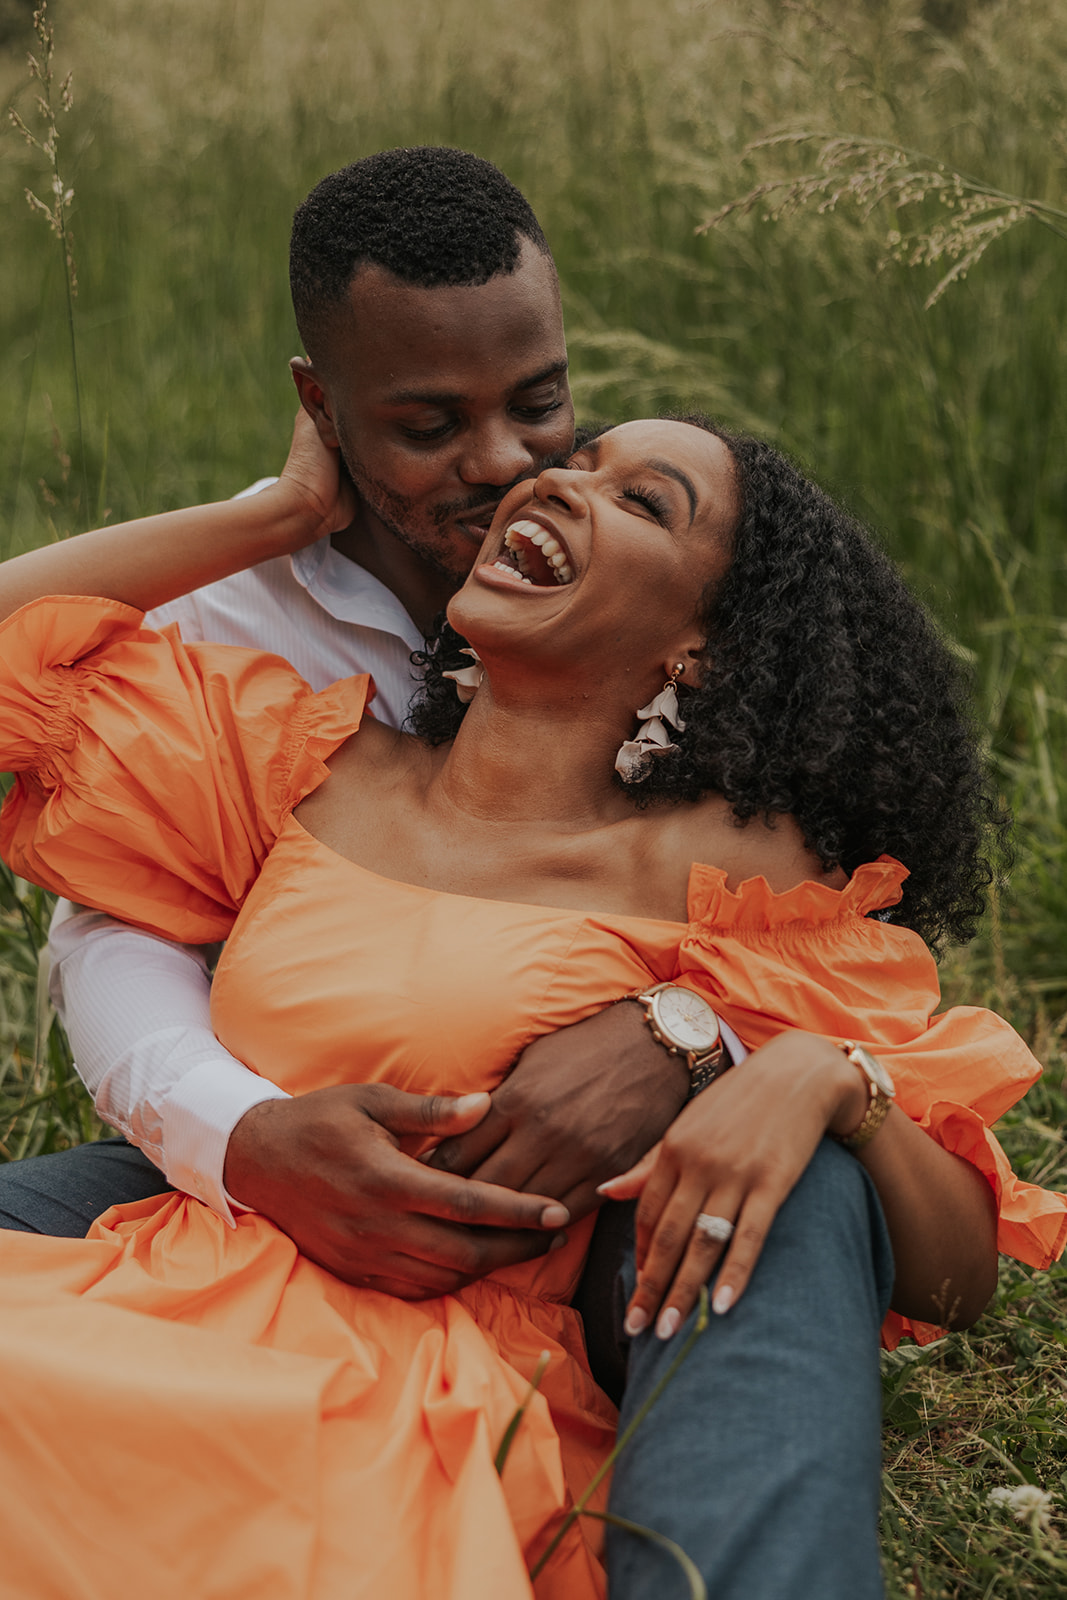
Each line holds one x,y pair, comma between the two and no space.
825,693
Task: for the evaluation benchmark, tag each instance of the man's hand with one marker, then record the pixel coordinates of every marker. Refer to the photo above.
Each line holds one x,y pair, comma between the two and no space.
326,1167
579,1106
317,476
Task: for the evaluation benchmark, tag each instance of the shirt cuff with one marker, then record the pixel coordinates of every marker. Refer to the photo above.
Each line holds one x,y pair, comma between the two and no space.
199,1114
734,1048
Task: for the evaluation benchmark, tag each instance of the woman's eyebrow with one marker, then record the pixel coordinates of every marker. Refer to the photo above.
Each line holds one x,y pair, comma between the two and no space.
669,471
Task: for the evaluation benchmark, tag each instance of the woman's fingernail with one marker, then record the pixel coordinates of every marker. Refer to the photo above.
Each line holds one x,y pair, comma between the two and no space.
602,1188
636,1322
668,1324
722,1299
558,1242
555,1216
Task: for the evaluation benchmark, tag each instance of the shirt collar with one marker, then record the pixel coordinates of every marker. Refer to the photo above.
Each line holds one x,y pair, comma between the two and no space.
350,593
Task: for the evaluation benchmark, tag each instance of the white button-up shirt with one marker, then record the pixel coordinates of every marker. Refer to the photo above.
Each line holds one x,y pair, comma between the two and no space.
136,1007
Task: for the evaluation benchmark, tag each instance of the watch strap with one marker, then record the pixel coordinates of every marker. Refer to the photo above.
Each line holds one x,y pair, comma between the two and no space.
877,1106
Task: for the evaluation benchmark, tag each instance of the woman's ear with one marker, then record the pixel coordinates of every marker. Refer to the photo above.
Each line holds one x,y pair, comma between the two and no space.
685,664
314,399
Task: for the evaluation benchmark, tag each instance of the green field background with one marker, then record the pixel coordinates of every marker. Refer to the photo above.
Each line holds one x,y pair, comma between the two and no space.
198,127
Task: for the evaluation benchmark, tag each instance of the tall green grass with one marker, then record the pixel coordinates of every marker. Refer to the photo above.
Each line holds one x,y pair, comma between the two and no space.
195,131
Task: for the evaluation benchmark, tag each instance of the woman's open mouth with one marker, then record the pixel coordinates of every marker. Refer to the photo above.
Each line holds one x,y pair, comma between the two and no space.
534,556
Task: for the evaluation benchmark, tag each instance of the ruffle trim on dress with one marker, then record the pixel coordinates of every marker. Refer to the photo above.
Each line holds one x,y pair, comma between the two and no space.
1031,1221
321,725
40,639
755,906
60,629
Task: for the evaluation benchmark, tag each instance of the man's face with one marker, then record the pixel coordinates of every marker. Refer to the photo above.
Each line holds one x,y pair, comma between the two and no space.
441,399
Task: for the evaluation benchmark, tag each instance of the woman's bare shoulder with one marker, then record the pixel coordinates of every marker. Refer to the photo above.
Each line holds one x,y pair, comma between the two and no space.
371,743
769,847
373,767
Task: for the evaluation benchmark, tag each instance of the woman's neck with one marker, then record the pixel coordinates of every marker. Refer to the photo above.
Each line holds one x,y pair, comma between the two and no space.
521,758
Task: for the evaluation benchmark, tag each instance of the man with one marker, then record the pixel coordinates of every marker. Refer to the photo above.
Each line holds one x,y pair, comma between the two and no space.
444,381
429,309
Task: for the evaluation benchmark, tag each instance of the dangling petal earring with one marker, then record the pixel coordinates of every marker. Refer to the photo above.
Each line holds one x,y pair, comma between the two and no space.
635,756
468,680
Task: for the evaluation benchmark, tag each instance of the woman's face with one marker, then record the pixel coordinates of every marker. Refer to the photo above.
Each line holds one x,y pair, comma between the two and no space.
602,564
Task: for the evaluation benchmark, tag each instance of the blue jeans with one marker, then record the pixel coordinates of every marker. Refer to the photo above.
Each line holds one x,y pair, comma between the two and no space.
761,1459
61,1194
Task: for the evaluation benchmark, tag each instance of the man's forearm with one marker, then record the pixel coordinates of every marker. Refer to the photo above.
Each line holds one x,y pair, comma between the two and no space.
137,1010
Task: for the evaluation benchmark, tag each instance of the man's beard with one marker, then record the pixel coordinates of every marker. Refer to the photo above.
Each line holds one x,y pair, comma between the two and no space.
396,513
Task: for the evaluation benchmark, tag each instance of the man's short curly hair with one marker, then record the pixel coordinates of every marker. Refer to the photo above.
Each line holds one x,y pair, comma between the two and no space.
432,216
826,693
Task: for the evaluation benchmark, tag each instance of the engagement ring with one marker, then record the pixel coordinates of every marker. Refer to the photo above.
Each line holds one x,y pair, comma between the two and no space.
718,1228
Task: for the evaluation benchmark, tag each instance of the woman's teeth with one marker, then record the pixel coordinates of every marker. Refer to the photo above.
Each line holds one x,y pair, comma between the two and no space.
522,535
512,572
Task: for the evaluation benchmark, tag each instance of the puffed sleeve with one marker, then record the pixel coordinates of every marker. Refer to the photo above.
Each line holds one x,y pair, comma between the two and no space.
814,958
153,776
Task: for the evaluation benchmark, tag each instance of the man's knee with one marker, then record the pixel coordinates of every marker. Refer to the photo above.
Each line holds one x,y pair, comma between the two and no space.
833,1223
60,1195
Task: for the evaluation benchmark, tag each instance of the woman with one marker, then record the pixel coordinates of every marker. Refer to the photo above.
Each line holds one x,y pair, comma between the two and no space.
269,1429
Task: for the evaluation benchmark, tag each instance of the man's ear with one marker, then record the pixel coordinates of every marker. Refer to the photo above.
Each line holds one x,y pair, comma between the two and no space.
314,400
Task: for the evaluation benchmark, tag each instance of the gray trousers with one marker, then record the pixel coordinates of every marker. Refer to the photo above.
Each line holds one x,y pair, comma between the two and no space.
761,1459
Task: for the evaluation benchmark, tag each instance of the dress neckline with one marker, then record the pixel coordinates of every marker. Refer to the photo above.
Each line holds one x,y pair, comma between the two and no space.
874,885
580,913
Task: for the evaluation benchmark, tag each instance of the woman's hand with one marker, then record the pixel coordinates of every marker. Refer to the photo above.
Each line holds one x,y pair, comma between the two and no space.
735,1153
318,475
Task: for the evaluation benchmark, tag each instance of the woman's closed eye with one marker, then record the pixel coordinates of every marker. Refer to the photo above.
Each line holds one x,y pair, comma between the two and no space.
652,501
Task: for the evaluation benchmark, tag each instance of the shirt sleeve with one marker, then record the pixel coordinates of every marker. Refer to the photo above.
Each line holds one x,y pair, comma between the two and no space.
153,777
815,959
137,1011
185,612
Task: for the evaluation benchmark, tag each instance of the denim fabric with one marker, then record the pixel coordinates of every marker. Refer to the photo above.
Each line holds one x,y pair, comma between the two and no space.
61,1194
761,1459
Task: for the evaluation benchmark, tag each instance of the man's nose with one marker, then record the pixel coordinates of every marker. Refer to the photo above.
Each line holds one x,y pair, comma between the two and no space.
495,454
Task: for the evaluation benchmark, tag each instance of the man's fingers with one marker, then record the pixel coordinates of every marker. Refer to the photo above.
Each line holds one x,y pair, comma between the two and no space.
465,1152
454,1258
425,1114
514,1164
465,1200
503,1249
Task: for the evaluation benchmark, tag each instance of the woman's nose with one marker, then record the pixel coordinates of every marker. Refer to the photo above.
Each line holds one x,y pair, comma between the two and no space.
563,485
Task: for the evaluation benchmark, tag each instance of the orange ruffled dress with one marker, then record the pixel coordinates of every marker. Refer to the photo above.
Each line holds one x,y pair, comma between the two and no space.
194,1410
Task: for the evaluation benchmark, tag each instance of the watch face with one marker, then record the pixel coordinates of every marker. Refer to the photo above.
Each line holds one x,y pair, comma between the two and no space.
874,1070
688,1020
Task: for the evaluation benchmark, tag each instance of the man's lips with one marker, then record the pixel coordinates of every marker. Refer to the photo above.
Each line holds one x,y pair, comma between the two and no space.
475,523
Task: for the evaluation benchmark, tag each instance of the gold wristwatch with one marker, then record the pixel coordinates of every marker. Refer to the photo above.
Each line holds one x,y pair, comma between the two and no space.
685,1025
882,1094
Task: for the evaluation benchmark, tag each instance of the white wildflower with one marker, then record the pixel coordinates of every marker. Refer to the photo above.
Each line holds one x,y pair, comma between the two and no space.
1024,1502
